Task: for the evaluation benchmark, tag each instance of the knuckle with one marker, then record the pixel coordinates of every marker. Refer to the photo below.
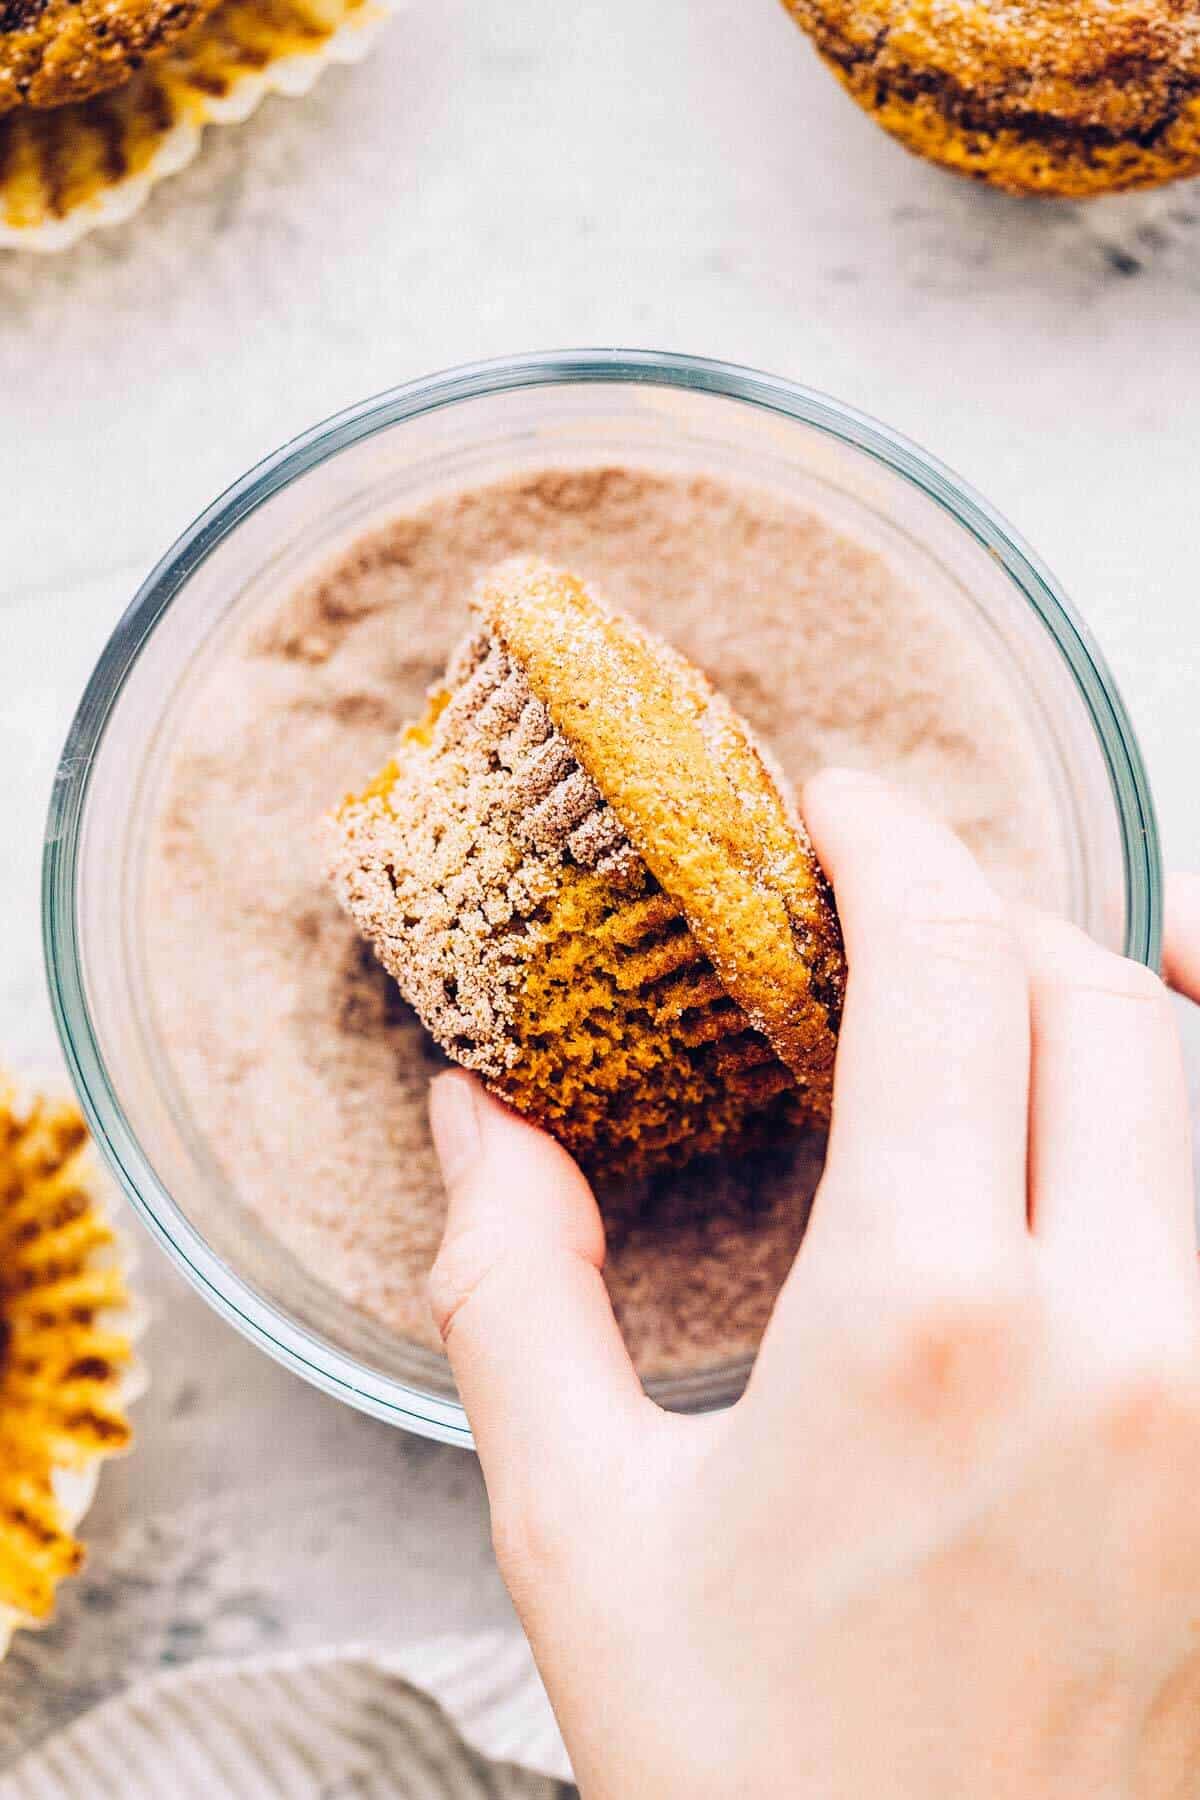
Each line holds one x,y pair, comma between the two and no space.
1128,980
459,1269
1150,1409
959,1347
1148,1428
973,940
1072,963
942,927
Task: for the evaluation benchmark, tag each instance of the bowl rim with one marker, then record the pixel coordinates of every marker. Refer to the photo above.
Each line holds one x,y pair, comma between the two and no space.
283,1338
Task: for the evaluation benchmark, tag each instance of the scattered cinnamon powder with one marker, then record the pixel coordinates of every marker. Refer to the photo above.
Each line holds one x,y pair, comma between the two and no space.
298,1063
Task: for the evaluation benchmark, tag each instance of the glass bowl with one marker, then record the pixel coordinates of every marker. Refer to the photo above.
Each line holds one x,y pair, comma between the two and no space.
470,426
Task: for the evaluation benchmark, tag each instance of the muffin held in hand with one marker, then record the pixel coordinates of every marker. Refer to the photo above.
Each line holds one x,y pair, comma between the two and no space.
594,890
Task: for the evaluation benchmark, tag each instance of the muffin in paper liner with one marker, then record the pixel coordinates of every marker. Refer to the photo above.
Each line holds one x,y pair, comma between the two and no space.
593,888
1067,99
54,52
67,1366
66,169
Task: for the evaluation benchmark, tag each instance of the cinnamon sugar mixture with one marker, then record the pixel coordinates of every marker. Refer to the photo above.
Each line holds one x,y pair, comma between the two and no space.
293,1052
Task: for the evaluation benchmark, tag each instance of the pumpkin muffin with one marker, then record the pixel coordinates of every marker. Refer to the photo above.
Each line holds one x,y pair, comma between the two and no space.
102,99
53,52
1039,97
65,1351
588,881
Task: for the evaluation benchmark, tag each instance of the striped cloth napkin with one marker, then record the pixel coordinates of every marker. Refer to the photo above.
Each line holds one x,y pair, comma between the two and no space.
451,1720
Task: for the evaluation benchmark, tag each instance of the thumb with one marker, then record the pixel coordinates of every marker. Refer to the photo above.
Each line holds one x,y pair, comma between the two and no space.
518,1296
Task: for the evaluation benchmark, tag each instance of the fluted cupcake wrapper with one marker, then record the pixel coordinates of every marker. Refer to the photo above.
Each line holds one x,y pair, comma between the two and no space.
68,1325
66,170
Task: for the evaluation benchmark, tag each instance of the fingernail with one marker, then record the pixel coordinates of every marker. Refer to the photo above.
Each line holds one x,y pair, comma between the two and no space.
454,1122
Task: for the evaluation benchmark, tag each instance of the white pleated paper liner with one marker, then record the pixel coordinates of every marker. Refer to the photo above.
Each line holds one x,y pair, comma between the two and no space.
66,170
73,1265
463,1718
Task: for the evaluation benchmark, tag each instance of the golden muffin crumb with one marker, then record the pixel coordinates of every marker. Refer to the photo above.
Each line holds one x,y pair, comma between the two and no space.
1037,97
53,52
587,882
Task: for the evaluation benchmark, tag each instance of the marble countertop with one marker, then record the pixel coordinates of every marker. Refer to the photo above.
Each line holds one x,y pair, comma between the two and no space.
523,176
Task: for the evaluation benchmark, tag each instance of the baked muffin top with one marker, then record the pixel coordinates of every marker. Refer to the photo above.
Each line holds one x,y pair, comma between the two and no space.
695,795
56,51
1037,96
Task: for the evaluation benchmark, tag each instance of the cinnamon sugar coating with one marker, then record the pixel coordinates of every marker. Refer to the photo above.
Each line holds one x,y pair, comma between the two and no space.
586,881
1038,97
693,790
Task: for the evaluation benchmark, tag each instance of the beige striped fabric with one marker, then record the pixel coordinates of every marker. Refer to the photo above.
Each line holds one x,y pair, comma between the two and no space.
337,1726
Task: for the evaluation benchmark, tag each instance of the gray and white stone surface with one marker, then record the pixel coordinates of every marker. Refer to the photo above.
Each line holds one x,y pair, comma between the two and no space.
530,175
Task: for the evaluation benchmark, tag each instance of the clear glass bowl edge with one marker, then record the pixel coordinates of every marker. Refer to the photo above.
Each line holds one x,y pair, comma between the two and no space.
318,1363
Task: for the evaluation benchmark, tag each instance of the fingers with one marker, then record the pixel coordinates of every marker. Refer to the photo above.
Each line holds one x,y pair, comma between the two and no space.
1109,1137
518,1296
927,1144
1181,942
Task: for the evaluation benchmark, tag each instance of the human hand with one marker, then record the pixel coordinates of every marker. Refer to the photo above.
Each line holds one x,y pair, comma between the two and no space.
948,1542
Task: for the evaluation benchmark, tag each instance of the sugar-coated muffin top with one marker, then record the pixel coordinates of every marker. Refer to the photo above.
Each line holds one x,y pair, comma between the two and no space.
683,774
1065,97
